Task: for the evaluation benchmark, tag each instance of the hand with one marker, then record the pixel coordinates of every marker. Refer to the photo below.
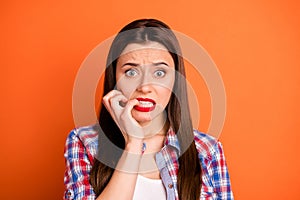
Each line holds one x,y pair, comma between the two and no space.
120,109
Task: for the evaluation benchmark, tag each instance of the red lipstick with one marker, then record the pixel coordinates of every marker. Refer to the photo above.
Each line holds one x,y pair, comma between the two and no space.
145,105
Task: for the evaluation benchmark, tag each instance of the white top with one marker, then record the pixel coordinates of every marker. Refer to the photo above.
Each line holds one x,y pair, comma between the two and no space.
149,189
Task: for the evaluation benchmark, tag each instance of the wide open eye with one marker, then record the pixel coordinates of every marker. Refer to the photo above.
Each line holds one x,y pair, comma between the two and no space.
159,73
131,73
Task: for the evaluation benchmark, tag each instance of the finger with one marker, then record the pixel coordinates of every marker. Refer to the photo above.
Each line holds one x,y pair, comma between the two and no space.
129,106
114,101
136,130
107,97
117,104
107,103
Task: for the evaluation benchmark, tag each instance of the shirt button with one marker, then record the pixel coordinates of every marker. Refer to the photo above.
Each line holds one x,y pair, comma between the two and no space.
69,194
170,186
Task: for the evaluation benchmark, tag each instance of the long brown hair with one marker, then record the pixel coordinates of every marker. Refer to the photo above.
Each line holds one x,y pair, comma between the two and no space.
189,173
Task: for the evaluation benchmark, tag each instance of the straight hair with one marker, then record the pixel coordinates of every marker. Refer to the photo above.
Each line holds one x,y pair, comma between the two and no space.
178,112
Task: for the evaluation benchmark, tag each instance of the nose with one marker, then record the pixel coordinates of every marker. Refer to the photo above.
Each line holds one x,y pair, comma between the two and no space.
145,84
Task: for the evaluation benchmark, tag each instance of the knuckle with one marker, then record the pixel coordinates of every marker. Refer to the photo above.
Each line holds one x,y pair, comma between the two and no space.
123,117
105,99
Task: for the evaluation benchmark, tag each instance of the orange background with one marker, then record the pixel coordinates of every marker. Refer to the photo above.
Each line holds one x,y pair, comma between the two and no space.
255,44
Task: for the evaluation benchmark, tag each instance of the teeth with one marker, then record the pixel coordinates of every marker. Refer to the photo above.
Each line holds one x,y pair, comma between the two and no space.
146,104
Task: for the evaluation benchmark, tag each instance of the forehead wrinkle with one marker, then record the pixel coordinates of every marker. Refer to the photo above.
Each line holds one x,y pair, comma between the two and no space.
147,57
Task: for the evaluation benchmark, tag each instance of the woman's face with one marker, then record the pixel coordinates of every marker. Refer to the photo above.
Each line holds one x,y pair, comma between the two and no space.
146,72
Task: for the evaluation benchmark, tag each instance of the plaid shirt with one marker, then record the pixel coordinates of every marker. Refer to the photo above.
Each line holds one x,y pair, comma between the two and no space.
82,144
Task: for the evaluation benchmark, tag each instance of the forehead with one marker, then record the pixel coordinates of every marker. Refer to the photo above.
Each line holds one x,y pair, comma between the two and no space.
143,46
145,51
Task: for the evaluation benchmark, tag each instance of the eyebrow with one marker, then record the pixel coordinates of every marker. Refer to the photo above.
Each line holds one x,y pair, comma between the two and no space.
136,65
130,64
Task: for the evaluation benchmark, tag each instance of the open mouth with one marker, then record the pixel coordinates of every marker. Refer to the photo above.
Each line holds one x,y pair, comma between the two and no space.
145,105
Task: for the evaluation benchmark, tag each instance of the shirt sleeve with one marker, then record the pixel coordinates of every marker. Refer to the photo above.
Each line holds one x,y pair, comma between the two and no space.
220,175
78,166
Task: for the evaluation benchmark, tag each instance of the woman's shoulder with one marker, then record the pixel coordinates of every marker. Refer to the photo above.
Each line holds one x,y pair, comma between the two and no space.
207,145
86,135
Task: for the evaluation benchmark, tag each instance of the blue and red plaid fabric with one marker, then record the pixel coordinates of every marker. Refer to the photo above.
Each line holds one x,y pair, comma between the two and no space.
82,144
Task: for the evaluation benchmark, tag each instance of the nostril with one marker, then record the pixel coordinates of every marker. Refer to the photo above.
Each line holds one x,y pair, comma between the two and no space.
144,88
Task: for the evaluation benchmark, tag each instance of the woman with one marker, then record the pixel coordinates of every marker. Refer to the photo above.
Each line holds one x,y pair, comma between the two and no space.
145,139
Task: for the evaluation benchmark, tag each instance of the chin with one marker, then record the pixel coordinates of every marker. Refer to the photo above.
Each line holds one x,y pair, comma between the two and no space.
141,117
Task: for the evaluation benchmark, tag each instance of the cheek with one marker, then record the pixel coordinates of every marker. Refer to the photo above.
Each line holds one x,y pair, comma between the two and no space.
165,91
126,87
165,95
168,83
168,87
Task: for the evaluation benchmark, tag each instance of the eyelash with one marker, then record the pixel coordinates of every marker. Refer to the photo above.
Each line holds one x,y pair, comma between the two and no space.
129,72
161,71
